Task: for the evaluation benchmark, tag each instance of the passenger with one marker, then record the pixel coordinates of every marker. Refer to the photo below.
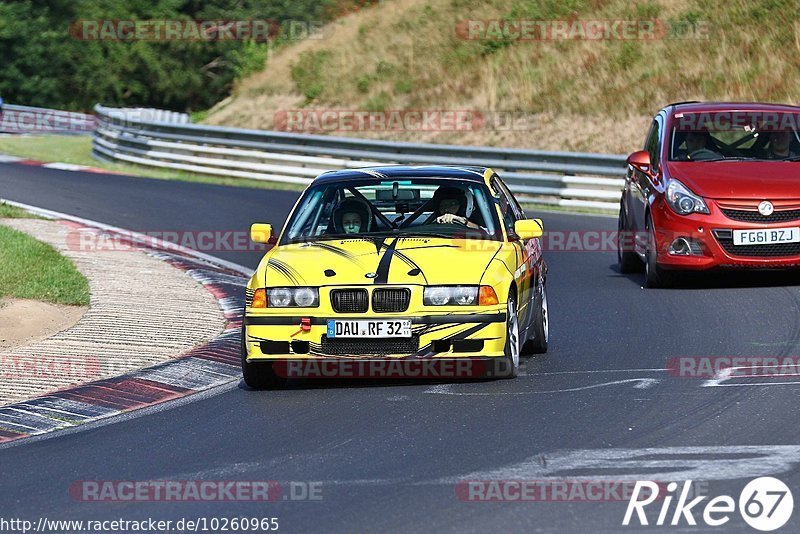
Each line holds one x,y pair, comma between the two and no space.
351,217
780,144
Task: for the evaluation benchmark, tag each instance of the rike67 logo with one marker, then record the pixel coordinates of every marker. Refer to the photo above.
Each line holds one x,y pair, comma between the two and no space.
765,504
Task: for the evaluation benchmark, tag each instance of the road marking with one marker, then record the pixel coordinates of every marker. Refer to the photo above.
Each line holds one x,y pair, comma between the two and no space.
600,371
65,166
657,463
722,376
727,374
446,389
754,384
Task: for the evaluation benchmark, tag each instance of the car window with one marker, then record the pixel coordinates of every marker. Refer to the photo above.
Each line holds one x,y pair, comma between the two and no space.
383,207
507,211
751,135
653,145
518,211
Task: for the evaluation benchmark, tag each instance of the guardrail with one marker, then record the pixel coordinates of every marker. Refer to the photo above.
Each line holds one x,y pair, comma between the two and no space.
557,178
32,120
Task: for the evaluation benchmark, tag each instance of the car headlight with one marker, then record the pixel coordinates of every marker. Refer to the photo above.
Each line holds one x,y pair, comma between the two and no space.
292,297
683,201
450,296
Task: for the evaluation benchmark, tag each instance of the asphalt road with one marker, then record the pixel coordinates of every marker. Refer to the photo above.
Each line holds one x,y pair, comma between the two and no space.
389,457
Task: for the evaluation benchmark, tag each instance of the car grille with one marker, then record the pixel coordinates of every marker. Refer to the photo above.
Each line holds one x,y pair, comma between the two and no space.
349,300
355,346
756,217
248,297
390,299
774,250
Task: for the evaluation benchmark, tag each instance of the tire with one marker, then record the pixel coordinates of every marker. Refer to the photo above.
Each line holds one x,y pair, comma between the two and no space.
509,364
259,375
655,276
628,261
541,326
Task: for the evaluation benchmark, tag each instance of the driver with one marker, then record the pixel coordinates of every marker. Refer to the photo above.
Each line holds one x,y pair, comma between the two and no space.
450,207
351,217
699,142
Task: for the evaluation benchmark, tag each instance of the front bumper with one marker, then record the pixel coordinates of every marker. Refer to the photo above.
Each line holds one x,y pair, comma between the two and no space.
442,368
713,234
451,335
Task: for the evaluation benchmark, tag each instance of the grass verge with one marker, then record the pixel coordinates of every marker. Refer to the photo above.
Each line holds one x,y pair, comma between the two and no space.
531,208
10,212
35,270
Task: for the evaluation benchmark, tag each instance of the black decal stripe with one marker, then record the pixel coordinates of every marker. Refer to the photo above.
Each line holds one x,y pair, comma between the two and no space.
428,329
425,351
289,272
383,266
277,267
294,272
411,263
378,244
431,246
336,250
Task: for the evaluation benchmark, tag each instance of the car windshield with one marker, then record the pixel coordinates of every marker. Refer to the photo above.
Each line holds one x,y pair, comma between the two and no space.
735,136
402,207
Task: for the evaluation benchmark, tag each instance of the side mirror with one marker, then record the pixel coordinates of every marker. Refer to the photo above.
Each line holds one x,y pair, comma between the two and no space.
529,228
260,232
640,160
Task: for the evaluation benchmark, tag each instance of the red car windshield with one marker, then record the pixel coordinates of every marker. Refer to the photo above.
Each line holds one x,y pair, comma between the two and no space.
735,135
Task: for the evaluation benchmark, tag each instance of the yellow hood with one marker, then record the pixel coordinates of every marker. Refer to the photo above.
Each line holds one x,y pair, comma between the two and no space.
413,260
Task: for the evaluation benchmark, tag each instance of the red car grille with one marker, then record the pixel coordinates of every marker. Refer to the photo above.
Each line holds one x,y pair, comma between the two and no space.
756,217
774,250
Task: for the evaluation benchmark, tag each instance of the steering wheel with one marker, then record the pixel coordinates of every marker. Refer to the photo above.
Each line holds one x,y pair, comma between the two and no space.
703,154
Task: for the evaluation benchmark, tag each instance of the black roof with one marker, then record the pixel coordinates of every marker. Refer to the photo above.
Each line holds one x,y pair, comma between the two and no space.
404,171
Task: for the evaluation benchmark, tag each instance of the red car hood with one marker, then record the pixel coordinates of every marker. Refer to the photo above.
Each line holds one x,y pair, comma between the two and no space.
757,180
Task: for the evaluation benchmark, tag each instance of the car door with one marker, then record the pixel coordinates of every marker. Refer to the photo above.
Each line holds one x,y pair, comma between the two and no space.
644,185
528,253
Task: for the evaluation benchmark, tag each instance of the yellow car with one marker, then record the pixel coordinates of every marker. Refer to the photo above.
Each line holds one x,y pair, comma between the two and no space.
397,271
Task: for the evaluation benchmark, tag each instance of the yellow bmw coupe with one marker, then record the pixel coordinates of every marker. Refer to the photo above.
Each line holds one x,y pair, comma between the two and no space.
433,271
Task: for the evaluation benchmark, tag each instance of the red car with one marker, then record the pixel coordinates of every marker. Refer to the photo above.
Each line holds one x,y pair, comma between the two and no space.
716,186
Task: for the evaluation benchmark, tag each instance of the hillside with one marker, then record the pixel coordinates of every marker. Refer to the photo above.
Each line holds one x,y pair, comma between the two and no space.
567,94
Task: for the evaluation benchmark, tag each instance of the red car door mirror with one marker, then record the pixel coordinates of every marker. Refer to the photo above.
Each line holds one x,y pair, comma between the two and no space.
640,161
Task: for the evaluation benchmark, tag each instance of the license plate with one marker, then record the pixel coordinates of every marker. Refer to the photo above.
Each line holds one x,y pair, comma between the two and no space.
766,237
369,329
